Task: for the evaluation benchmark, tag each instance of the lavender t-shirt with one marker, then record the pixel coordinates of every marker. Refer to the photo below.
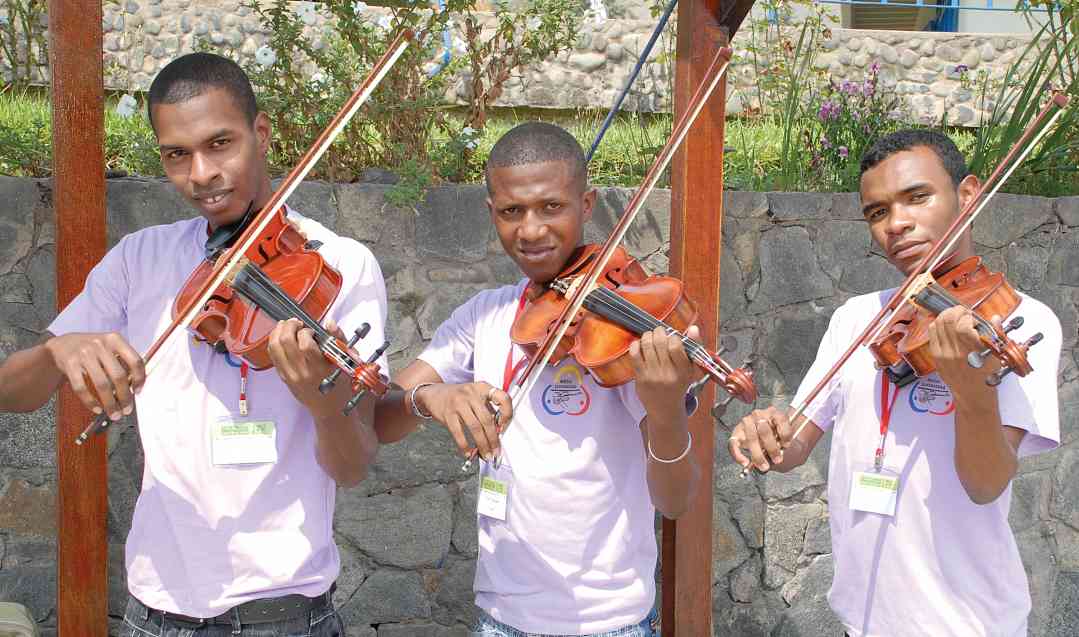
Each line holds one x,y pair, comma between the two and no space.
943,565
204,537
576,553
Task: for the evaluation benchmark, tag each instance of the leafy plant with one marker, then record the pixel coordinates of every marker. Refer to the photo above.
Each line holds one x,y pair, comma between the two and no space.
23,43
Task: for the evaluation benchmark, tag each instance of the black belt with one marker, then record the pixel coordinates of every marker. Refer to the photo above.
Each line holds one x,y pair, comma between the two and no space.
259,611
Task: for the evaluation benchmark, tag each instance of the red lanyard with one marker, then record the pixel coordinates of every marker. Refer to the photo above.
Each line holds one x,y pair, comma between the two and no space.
885,418
511,370
243,388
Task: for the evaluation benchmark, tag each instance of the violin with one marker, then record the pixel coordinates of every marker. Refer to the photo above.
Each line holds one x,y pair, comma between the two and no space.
902,349
281,276
626,302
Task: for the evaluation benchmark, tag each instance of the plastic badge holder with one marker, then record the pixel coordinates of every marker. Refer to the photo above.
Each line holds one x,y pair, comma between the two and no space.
15,621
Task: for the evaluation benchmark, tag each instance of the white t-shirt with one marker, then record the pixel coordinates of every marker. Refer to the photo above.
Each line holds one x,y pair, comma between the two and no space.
943,566
577,551
204,537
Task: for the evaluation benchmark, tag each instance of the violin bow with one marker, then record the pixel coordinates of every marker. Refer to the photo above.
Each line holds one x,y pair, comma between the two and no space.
583,285
942,248
232,256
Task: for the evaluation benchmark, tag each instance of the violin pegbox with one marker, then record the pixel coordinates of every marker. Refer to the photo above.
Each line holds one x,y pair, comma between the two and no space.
1012,355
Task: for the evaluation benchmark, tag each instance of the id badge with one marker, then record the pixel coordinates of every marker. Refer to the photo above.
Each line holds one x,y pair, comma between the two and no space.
237,440
494,494
874,491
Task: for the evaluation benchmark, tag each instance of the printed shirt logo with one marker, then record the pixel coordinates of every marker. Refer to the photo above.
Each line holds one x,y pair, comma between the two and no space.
931,395
567,395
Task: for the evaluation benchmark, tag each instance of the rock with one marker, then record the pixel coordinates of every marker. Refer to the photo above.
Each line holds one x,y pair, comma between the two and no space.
1067,209
745,581
387,596
818,537
1063,267
438,306
749,513
791,363
869,274
788,271
615,52
1037,548
784,536
27,440
741,204
728,546
908,58
447,223
588,62
1064,504
1009,217
795,206
1065,616
364,214
809,613
465,537
405,529
455,601
135,204
841,243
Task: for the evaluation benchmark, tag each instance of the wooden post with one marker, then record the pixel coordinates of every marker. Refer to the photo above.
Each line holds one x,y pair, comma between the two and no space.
78,133
696,235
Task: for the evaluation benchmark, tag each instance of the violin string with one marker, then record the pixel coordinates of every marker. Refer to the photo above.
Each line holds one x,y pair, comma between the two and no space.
641,321
280,306
696,351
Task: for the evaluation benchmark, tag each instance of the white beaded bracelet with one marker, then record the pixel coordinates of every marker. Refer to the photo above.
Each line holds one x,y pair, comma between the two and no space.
412,401
689,445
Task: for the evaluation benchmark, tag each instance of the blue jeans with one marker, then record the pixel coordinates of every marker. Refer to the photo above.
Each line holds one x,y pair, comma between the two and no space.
140,621
487,626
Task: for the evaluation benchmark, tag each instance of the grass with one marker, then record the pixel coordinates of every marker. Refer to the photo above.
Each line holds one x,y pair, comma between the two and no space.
752,162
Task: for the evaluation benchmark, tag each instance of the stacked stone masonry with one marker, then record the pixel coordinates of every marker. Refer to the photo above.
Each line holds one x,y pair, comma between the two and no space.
141,36
407,533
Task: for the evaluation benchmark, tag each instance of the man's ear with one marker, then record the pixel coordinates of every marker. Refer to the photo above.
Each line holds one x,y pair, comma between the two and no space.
589,203
490,207
263,129
968,189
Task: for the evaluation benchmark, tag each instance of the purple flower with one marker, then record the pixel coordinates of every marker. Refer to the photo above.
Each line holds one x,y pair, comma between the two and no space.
829,110
874,68
843,152
848,87
825,142
961,69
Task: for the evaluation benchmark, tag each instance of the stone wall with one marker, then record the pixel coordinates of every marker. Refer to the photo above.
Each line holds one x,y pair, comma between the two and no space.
143,35
407,534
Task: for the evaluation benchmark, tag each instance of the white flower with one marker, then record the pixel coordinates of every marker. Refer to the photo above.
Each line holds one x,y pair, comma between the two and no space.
318,78
305,11
359,7
471,144
385,22
127,106
265,56
598,11
533,23
459,46
468,131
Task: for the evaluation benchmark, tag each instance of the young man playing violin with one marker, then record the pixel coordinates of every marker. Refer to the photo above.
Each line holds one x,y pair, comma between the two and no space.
571,480
922,544
232,532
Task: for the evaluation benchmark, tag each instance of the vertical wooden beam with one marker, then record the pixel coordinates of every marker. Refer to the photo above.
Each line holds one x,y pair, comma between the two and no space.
696,242
78,133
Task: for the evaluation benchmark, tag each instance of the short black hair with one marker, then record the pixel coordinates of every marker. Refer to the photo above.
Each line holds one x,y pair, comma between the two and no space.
909,138
537,142
193,74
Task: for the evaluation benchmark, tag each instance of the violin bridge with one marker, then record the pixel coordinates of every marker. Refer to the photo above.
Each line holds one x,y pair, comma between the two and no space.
236,269
919,285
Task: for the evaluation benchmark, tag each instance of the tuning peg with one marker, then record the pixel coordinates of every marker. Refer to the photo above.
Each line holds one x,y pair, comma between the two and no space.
327,383
379,352
749,362
977,359
996,377
720,408
352,402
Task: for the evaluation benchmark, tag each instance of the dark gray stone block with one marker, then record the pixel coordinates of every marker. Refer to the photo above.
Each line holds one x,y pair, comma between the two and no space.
795,206
314,200
789,272
135,204
446,229
387,596
1007,217
407,529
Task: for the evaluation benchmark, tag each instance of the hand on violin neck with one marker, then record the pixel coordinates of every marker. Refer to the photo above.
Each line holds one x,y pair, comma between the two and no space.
300,364
952,337
663,373
467,410
104,371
